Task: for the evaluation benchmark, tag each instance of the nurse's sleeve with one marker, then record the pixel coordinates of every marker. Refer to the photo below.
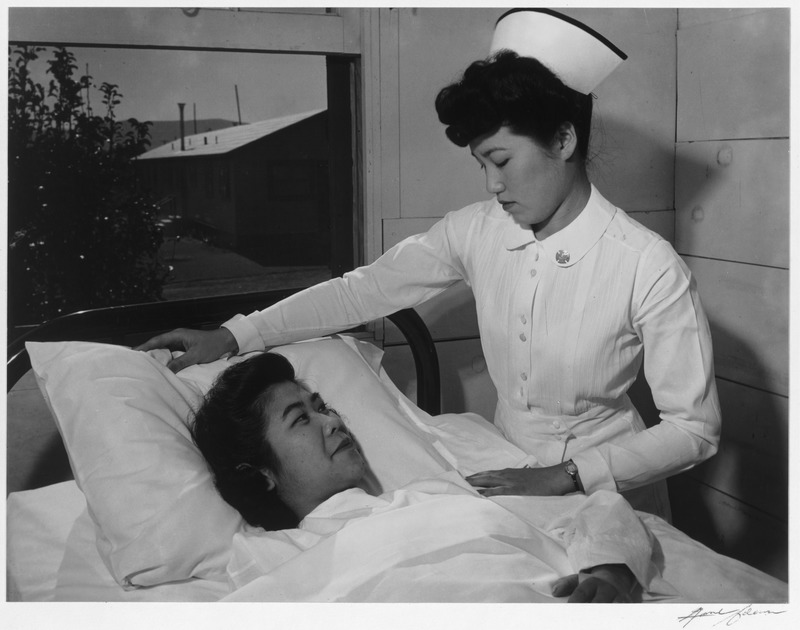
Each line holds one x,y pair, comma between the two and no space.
606,530
408,274
679,368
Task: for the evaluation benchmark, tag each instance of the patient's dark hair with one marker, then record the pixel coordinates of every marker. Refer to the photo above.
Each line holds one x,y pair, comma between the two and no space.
230,430
519,92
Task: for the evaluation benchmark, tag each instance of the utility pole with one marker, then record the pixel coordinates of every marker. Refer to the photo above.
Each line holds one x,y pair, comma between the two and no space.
238,109
180,107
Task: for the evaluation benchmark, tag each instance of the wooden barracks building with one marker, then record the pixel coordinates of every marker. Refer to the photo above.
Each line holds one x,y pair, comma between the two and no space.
256,188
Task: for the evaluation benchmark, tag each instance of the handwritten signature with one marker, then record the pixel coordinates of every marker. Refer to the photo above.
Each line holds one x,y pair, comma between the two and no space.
726,617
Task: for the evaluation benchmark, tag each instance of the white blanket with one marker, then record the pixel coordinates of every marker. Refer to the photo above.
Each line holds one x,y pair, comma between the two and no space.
439,541
411,554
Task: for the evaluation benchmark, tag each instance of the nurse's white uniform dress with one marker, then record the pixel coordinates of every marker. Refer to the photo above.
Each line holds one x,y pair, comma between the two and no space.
565,325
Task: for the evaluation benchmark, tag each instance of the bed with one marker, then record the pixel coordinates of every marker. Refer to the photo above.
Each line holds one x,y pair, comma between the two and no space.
140,520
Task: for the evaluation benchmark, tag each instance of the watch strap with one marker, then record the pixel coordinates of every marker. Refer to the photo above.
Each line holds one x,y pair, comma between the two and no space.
572,470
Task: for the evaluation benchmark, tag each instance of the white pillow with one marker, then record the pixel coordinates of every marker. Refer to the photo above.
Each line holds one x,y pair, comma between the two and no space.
122,415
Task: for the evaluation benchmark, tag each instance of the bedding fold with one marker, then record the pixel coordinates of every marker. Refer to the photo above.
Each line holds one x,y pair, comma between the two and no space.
435,540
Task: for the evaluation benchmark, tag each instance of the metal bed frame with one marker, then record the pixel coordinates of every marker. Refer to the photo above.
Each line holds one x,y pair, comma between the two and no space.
133,324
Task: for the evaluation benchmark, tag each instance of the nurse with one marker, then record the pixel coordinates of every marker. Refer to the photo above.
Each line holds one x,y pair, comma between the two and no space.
572,294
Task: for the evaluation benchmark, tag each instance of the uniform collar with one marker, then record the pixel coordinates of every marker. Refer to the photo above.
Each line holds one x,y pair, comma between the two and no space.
567,246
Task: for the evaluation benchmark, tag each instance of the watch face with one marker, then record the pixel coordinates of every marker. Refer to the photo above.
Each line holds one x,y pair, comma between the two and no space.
571,468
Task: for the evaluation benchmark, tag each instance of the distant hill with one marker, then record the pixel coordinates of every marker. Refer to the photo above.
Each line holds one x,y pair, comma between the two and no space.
164,131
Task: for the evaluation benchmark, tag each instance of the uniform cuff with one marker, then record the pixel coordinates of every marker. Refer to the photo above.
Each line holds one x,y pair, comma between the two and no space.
593,471
634,552
245,333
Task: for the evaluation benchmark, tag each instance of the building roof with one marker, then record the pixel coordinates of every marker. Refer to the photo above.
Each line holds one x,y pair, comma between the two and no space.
225,140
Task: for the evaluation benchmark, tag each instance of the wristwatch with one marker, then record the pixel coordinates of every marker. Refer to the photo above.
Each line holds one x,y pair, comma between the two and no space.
572,470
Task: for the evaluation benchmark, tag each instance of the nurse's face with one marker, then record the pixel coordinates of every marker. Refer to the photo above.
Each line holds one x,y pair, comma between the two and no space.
317,456
530,181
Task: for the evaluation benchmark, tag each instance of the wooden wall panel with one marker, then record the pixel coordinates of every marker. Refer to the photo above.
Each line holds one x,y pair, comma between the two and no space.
368,134
634,113
466,385
436,45
633,137
695,17
389,127
732,201
748,308
730,526
732,220
755,437
735,81
210,28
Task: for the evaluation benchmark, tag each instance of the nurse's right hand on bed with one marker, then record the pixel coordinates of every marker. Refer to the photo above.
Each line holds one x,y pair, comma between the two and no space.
199,346
538,481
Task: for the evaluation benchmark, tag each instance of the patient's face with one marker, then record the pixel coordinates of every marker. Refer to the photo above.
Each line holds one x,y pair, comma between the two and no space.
317,455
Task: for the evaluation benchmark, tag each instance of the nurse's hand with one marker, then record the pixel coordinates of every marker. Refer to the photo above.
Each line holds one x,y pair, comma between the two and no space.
200,346
605,583
540,482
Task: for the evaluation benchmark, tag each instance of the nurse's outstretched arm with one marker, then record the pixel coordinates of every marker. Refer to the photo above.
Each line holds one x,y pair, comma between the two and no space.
410,273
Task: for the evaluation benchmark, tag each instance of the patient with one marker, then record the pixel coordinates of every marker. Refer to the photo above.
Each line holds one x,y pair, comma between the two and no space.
277,451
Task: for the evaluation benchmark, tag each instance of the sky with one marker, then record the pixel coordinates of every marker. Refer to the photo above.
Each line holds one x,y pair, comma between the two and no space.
153,82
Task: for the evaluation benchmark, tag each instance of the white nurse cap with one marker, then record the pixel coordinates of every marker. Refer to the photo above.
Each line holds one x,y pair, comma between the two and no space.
579,56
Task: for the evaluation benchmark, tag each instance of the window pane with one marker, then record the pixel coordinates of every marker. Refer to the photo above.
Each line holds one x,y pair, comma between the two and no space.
236,176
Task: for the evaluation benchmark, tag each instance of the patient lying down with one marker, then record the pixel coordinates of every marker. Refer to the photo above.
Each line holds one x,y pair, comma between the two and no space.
287,463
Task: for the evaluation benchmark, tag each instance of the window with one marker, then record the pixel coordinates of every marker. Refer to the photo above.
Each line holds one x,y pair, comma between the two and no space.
223,175
208,179
214,116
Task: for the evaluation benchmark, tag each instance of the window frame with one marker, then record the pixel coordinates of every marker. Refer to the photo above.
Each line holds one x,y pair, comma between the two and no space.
335,34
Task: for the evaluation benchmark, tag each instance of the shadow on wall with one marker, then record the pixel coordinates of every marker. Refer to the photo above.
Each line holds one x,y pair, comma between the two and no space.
736,502
637,169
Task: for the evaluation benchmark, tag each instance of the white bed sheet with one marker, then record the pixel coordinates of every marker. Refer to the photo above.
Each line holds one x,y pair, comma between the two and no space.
38,525
82,576
53,557
52,554
436,541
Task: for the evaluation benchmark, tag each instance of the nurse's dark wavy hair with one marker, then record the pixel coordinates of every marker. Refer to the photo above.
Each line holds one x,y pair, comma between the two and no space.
229,428
519,92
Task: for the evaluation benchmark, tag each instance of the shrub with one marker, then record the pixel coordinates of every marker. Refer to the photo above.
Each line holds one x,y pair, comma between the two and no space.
81,233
